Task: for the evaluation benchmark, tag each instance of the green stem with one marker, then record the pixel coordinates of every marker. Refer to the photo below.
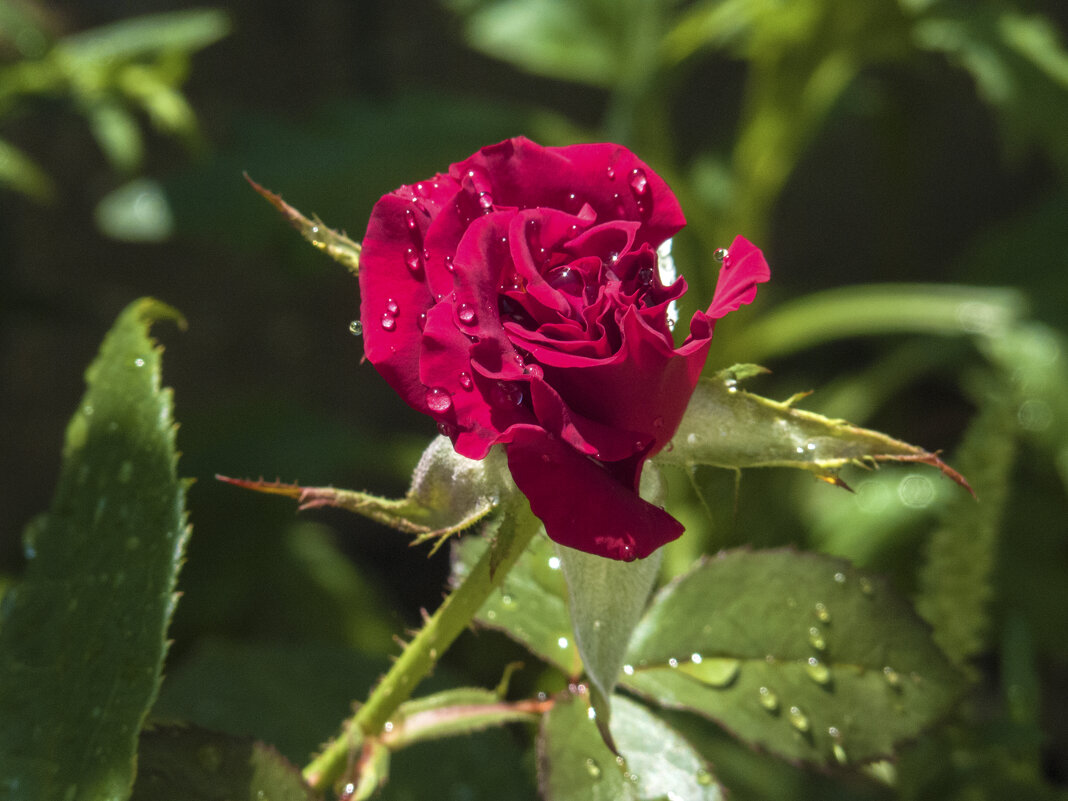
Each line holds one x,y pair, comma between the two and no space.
422,653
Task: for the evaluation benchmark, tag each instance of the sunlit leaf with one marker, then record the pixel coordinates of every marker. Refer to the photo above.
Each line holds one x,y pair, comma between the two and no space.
84,634
531,606
655,762
19,172
799,654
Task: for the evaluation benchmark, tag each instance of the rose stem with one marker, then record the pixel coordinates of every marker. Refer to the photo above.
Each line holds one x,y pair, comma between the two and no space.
419,656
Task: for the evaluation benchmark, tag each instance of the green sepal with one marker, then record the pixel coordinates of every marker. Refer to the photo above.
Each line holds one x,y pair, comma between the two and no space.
454,712
83,635
449,493
725,426
334,244
796,653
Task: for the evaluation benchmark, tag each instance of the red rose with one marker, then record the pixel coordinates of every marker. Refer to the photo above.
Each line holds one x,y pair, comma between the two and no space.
518,300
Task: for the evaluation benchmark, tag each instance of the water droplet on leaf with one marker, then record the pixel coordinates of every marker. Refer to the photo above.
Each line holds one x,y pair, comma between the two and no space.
816,640
768,699
593,769
798,719
713,671
893,678
817,671
822,613
704,778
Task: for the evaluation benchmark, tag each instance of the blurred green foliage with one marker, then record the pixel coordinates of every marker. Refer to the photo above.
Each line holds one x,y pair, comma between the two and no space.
886,142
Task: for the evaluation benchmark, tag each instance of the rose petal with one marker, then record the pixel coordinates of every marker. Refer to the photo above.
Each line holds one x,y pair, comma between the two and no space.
743,268
581,504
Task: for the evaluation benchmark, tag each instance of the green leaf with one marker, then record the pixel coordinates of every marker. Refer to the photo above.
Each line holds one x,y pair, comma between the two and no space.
181,31
531,606
799,654
83,636
570,41
956,577
19,172
655,762
725,426
179,763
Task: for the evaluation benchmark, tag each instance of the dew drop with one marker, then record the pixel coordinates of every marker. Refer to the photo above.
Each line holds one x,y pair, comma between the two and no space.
438,400
638,182
485,202
713,671
816,639
562,642
822,614
506,395
465,381
448,264
645,276
139,362
554,563
768,699
413,260
798,719
421,321
356,328
673,662
719,254
409,217
467,314
704,778
818,671
893,678
388,323
611,174
392,309
507,601
840,754
593,769
628,670
534,371
566,280
840,578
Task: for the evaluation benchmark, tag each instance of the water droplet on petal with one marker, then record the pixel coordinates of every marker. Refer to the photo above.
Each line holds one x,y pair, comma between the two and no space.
817,671
388,322
485,202
593,769
448,264
534,371
769,700
438,400
392,309
506,395
611,174
413,260
465,381
446,429
645,276
467,314
409,217
638,181
719,254
798,719
356,328
566,280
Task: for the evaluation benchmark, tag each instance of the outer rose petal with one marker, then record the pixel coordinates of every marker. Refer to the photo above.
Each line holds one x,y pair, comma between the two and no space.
743,268
581,505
